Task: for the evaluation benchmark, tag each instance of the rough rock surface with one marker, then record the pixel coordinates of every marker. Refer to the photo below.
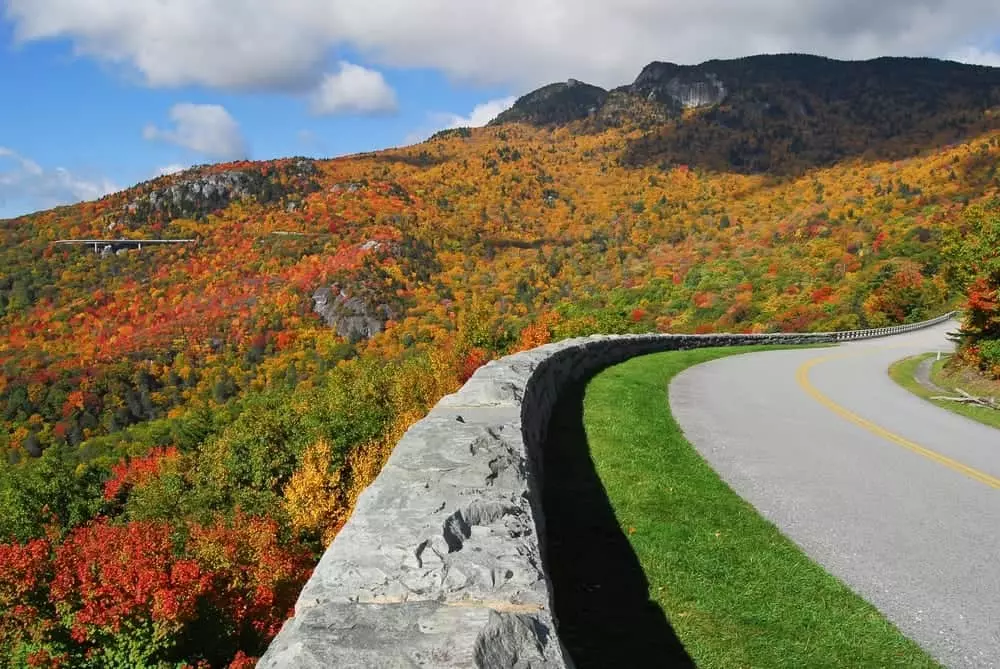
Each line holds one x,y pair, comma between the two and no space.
351,317
194,194
442,563
679,86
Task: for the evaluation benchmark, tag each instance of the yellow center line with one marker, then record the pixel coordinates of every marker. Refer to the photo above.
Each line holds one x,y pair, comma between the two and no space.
802,376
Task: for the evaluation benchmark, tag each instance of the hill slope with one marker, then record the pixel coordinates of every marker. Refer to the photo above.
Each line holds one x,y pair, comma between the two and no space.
234,395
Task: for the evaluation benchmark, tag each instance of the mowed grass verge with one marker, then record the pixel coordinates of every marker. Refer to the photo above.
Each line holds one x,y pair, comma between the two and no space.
904,373
736,591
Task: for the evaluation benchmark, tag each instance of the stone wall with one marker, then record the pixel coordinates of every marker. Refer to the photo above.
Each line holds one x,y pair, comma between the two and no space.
442,563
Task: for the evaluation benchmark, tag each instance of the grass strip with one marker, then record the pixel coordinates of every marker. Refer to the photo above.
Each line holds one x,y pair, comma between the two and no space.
904,373
735,591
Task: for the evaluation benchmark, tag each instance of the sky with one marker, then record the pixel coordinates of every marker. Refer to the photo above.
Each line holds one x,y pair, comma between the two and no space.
98,95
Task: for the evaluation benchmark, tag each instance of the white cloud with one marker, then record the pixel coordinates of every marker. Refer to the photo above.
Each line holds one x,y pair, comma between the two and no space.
976,56
268,45
206,129
167,170
353,90
25,185
480,115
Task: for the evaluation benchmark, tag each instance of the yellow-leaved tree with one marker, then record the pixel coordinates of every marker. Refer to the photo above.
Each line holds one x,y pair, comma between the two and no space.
312,495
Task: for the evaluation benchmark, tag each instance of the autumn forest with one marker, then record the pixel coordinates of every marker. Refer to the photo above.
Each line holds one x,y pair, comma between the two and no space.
186,427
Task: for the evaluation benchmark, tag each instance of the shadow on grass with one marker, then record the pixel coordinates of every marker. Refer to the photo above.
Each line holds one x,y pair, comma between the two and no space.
605,616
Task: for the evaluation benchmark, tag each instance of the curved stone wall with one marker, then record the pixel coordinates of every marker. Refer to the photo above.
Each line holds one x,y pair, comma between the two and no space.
442,563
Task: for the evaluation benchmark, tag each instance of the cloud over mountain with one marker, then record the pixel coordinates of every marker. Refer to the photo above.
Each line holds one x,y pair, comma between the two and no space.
206,129
353,89
265,45
480,115
24,180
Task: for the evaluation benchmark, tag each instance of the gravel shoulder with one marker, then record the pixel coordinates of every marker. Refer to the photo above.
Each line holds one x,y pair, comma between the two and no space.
923,376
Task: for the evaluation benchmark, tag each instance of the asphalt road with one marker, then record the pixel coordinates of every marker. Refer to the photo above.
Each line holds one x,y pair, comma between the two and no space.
896,497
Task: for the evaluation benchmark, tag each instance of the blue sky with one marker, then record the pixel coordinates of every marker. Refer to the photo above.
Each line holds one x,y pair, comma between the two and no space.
88,118
99,95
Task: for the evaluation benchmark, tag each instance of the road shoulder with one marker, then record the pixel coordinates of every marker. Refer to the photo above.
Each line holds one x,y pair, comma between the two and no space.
916,374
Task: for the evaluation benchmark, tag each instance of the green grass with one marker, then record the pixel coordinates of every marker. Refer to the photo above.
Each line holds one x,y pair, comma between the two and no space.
736,591
904,371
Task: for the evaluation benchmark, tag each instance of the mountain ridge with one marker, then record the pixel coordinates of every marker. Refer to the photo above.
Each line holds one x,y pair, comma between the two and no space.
707,75
745,111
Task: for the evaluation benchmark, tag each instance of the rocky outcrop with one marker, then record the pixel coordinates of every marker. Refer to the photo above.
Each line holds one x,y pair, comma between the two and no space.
351,317
660,92
679,87
193,194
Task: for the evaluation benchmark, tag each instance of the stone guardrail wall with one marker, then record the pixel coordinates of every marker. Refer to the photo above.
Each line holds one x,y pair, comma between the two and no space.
442,563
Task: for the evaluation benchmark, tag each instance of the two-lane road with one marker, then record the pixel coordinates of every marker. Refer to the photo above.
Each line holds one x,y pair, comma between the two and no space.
896,497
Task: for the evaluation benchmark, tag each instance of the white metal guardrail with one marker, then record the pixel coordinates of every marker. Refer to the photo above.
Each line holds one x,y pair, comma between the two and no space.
850,335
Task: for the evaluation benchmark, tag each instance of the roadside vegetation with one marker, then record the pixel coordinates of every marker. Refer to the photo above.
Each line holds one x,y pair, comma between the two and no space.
948,374
972,267
735,590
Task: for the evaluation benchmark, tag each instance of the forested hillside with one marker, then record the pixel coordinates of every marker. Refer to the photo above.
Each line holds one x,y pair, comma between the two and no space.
185,427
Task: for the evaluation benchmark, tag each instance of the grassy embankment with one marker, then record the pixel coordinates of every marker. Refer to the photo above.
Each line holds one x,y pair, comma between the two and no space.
733,589
904,373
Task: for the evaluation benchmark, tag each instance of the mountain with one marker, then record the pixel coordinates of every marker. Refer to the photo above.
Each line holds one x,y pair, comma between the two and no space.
778,114
555,104
192,422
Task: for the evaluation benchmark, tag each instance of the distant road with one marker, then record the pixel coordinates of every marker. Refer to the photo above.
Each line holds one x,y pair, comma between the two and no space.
88,242
898,498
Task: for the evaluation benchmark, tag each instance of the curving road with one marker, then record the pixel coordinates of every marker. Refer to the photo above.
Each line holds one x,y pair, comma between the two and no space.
896,497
